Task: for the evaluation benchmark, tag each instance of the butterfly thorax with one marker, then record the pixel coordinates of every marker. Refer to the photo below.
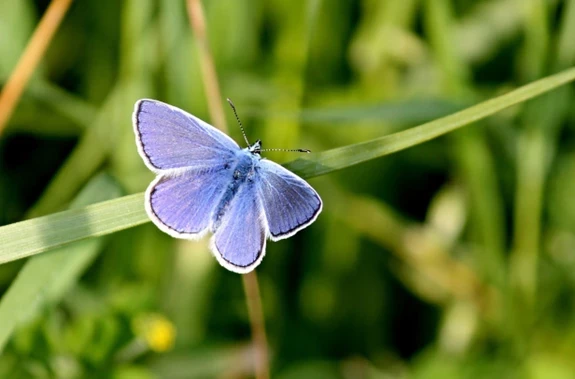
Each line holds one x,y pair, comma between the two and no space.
242,172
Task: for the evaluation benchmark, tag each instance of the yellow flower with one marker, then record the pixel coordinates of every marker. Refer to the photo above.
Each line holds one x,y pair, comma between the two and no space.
158,332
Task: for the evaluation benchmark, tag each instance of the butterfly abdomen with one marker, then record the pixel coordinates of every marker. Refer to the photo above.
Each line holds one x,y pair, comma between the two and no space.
242,175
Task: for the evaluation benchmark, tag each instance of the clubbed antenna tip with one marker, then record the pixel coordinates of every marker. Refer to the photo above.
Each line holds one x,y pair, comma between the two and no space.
288,150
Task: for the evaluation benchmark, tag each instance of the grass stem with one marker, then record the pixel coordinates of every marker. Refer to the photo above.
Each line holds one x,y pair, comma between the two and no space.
214,99
30,58
253,299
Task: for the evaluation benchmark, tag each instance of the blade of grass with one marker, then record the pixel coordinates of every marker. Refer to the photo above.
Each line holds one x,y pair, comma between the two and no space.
472,153
52,231
17,21
533,148
27,64
138,32
291,52
403,112
88,155
536,151
346,156
64,103
104,139
45,278
181,71
490,24
257,321
61,112
48,232
211,86
566,44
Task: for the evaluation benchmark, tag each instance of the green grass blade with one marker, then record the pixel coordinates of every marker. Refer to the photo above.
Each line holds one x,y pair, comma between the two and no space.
61,112
335,159
44,233
538,145
471,150
17,22
64,103
88,155
402,112
45,278
40,234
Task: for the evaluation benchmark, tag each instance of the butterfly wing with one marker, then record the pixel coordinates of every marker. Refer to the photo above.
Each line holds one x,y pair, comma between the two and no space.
239,240
290,204
169,138
182,205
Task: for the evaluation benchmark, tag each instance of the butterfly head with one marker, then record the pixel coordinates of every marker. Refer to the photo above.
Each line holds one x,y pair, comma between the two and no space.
256,148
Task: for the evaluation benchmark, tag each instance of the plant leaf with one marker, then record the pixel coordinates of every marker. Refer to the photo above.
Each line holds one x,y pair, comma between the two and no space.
44,233
346,156
40,234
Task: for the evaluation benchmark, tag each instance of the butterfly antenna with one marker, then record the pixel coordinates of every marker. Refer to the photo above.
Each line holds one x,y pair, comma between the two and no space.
289,150
239,121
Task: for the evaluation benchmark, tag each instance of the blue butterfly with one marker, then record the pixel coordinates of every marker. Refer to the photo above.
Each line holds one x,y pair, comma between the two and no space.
206,182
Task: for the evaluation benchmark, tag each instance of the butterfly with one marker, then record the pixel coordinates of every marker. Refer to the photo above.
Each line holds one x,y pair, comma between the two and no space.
206,182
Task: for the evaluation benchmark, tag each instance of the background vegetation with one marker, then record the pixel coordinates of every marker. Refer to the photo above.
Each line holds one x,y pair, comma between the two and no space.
454,258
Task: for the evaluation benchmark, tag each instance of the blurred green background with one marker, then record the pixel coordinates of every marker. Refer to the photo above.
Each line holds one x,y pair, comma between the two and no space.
452,259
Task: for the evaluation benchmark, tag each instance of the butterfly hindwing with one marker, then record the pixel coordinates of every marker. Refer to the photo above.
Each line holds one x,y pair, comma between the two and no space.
240,235
290,204
182,205
169,138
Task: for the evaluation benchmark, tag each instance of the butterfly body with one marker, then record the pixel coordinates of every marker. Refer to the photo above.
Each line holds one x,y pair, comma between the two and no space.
206,182
241,172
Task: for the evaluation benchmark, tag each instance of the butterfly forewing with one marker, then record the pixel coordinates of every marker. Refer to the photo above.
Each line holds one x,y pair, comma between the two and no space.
169,138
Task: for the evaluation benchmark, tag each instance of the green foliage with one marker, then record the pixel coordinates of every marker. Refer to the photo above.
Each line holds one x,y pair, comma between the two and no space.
45,279
451,258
